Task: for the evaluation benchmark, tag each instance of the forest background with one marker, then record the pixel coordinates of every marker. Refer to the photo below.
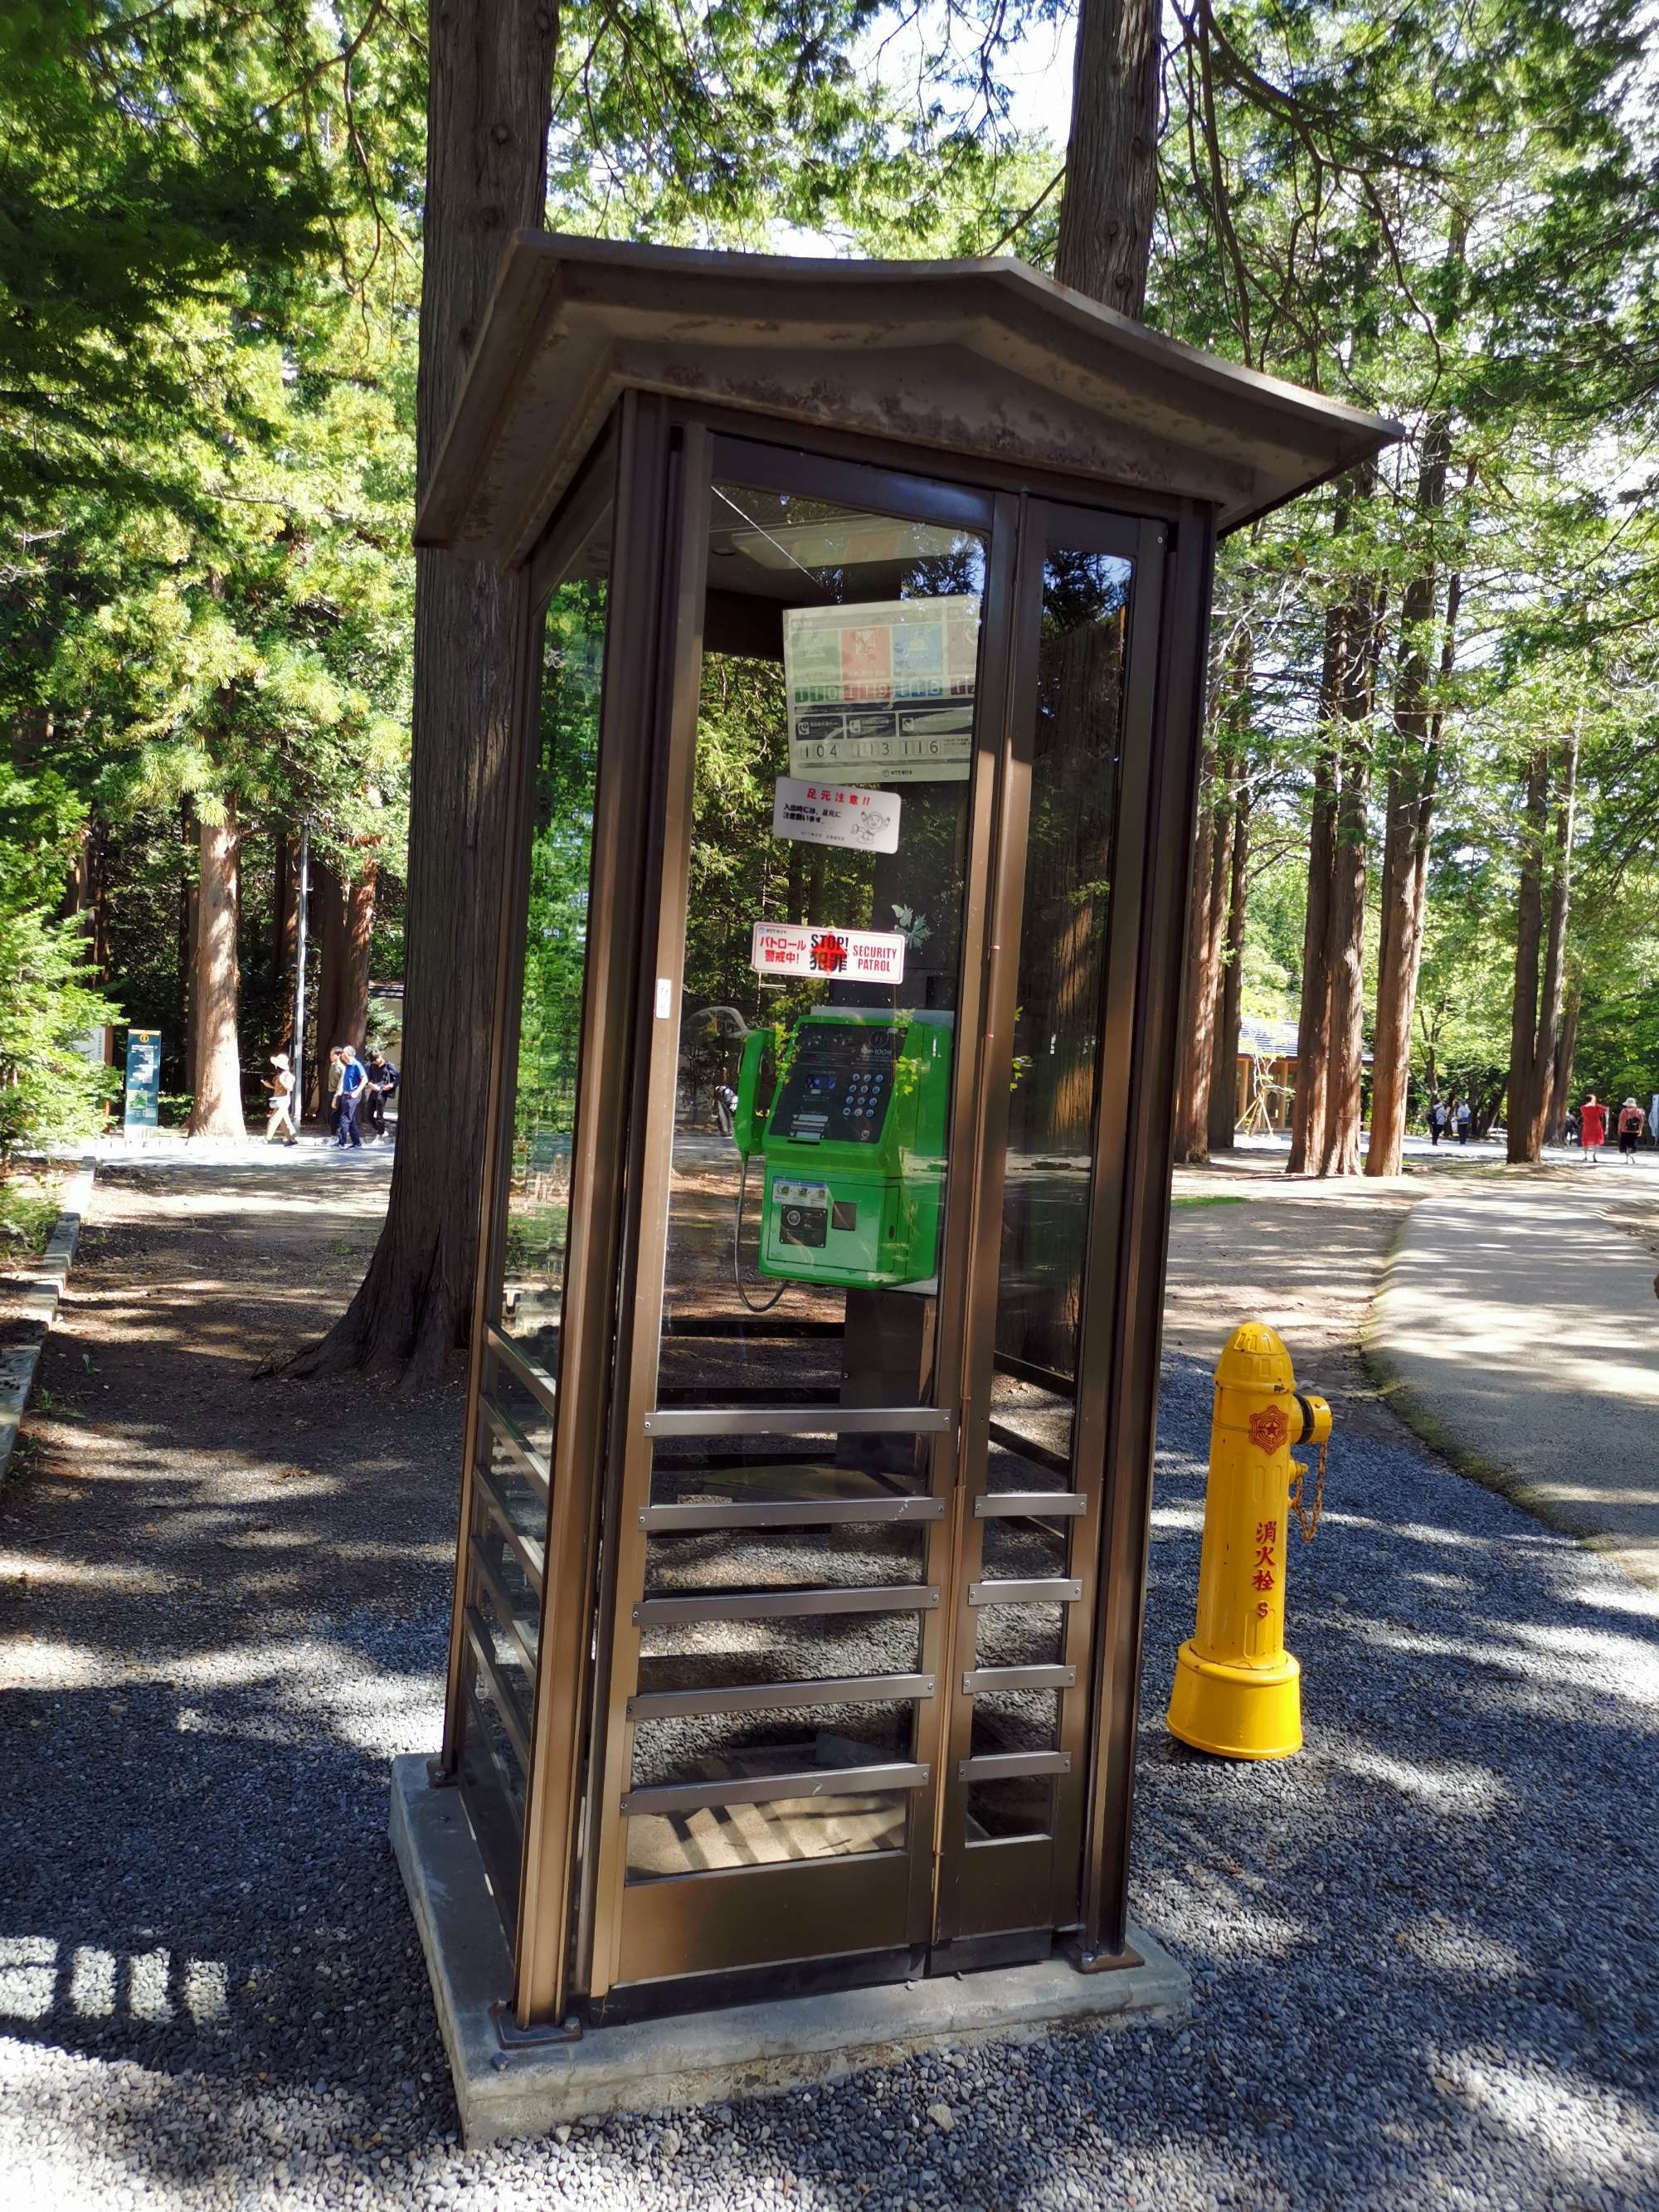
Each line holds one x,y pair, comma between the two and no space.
1430,832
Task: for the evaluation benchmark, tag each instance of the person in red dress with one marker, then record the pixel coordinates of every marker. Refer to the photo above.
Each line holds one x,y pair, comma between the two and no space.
1592,1126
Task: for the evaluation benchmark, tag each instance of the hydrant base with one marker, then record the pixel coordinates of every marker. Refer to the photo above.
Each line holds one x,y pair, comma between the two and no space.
1236,1712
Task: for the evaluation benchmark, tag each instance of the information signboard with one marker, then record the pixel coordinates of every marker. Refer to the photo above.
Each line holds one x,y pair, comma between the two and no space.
144,1094
883,692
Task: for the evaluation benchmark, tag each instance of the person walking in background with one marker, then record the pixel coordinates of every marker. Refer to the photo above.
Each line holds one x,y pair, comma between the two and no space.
280,1113
333,1098
1439,1114
1630,1129
1464,1120
381,1081
1592,1126
349,1097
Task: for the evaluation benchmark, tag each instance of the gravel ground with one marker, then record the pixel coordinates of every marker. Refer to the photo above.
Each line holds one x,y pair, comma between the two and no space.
1423,1953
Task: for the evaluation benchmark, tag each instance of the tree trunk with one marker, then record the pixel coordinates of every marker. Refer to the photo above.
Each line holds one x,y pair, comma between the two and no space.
356,927
284,934
1339,1152
216,1110
188,904
1198,937
1224,1072
1193,1125
488,103
1411,780
1528,930
1566,1046
1105,241
1527,1127
328,926
1307,1111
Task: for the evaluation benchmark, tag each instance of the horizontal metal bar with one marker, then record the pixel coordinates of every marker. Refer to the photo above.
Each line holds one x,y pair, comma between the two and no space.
513,1720
978,1680
1024,1447
542,1385
772,1604
1050,1589
1029,1506
502,1602
762,1789
1008,1765
525,1453
797,1421
781,1696
790,1513
531,1555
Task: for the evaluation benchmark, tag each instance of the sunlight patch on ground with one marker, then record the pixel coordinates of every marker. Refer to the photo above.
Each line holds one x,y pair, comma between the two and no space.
1468,1792
1577,2123
31,1966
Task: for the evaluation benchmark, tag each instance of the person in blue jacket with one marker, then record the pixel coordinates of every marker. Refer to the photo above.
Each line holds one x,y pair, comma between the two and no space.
347,1098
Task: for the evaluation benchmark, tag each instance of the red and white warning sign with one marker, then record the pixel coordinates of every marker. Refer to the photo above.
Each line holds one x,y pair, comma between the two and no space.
857,956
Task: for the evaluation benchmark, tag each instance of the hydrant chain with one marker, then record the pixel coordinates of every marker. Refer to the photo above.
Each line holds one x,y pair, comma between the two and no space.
1237,1690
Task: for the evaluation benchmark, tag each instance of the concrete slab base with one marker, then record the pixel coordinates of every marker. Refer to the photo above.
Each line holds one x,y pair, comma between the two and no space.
705,2057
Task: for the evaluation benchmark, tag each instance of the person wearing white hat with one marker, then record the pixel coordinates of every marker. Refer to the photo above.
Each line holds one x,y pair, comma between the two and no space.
280,1114
1630,1130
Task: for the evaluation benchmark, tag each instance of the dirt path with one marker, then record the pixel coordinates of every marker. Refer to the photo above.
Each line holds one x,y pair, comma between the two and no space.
220,1601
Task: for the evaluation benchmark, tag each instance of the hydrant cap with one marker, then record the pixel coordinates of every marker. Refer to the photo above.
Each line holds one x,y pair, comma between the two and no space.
1255,1359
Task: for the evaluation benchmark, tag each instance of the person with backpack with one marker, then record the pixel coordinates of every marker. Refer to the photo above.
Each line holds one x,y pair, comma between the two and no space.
1630,1124
1592,1126
347,1098
1439,1114
280,1113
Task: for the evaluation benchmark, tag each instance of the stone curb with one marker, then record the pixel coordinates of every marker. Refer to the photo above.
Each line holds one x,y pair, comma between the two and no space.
44,1281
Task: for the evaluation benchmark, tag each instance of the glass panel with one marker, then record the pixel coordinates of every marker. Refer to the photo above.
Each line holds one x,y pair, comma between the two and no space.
1020,1635
531,1284
1060,1009
767,1835
1023,1805
844,1556
685,1469
1015,1720
697,1655
722,1745
822,950
503,1592
1022,1551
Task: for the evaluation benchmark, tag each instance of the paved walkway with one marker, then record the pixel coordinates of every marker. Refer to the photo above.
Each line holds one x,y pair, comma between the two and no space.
1520,1317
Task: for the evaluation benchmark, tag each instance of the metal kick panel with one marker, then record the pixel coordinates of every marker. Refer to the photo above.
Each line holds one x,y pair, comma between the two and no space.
790,1513
765,1605
1050,1589
780,1697
796,1421
770,1789
982,1681
1005,1765
1029,1506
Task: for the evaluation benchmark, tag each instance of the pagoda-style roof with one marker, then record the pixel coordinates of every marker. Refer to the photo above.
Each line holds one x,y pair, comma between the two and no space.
977,358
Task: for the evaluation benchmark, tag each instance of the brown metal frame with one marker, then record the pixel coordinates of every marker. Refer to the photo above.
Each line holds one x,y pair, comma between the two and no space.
573,1894
1143,1234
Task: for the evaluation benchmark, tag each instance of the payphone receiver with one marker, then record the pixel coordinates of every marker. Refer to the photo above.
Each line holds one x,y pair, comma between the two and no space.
853,1145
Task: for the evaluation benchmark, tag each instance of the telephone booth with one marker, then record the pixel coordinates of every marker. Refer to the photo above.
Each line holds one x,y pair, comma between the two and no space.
803,1515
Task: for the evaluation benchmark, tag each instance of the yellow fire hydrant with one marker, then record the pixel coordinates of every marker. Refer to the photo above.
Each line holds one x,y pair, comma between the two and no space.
1237,1691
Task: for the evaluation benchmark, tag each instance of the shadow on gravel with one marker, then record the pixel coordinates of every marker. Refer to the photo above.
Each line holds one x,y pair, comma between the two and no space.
1424,1951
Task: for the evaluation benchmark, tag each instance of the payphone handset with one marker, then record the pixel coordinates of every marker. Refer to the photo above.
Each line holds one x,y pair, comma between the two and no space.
853,1145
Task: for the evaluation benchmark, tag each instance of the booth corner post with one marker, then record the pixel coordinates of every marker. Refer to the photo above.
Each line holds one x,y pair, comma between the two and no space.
796,1625
1237,1691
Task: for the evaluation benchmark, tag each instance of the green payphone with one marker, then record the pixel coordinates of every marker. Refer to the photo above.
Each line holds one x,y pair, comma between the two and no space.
853,1145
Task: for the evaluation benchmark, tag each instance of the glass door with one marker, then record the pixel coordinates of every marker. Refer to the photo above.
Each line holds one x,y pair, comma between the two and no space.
774,1731
1064,931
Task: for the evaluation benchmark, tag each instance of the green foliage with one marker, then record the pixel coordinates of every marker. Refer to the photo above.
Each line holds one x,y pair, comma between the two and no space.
49,1092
